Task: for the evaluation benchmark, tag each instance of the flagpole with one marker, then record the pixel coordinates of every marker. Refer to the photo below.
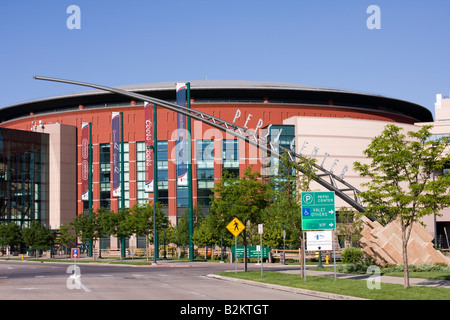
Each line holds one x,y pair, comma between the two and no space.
189,173
122,179
90,167
122,166
90,193
155,183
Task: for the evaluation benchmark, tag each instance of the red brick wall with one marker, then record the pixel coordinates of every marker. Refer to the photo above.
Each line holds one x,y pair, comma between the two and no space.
134,131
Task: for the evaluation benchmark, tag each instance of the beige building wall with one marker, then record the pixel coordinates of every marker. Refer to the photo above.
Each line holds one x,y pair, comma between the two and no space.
62,173
440,127
341,142
344,140
442,108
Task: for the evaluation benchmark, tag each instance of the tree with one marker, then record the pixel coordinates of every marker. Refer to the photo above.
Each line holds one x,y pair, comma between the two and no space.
65,236
10,235
141,217
140,220
37,236
181,231
87,225
204,233
240,197
119,225
350,226
285,210
402,182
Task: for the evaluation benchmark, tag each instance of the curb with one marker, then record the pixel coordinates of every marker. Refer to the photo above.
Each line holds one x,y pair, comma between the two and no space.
326,295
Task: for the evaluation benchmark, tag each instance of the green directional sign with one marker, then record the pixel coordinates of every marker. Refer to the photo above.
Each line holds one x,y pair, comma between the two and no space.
253,252
318,211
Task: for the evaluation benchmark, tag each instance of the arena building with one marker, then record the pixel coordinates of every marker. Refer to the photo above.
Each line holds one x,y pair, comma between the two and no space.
334,126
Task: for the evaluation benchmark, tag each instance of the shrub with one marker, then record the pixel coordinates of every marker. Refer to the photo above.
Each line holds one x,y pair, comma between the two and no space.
359,268
352,255
417,268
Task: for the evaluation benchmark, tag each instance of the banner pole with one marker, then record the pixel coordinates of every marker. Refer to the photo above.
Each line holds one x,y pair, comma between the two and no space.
189,173
155,182
122,181
122,165
90,183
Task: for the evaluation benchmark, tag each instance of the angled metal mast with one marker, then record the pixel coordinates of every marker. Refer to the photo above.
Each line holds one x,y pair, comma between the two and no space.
325,178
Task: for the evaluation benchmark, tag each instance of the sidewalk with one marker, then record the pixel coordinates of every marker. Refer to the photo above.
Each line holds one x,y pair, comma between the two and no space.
383,279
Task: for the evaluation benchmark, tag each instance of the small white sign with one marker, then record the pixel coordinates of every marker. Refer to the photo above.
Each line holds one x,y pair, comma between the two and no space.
319,240
260,228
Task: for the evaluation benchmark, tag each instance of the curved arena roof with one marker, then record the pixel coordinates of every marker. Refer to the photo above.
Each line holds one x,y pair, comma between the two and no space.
229,91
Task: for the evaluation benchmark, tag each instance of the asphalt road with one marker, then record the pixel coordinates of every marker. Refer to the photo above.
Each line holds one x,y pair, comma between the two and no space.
21,280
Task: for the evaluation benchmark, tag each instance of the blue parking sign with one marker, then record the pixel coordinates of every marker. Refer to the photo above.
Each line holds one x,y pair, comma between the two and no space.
74,253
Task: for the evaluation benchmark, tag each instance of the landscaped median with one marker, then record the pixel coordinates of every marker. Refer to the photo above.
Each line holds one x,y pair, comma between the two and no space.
339,288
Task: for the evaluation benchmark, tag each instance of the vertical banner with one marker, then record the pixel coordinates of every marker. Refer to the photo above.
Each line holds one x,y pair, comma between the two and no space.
182,139
148,114
115,153
85,161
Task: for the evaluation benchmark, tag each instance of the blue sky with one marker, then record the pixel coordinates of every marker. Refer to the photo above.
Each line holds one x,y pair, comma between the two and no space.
321,43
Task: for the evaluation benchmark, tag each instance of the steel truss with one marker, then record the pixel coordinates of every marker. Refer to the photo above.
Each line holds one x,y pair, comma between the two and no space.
325,178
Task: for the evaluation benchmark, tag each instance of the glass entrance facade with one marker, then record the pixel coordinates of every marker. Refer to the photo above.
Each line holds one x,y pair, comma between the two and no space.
24,176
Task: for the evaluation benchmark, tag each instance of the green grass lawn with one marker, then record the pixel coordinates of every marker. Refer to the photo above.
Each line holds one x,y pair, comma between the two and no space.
349,287
433,275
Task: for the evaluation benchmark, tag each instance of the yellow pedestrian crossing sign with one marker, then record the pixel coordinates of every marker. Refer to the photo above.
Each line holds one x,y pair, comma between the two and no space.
235,227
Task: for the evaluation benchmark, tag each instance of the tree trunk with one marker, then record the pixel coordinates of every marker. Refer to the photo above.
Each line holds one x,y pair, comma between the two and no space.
405,265
405,239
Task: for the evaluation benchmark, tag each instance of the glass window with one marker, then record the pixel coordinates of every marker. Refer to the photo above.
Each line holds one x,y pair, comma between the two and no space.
141,195
163,173
203,197
182,197
205,170
105,175
230,157
24,177
286,139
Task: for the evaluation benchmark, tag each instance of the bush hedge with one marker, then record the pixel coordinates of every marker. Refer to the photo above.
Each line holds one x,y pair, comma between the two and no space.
417,268
352,255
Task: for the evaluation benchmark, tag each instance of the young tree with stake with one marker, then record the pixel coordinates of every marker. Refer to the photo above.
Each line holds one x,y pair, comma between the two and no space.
403,182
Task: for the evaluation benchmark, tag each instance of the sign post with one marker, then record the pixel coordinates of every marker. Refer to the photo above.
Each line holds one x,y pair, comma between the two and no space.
260,231
235,227
74,254
334,255
319,213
